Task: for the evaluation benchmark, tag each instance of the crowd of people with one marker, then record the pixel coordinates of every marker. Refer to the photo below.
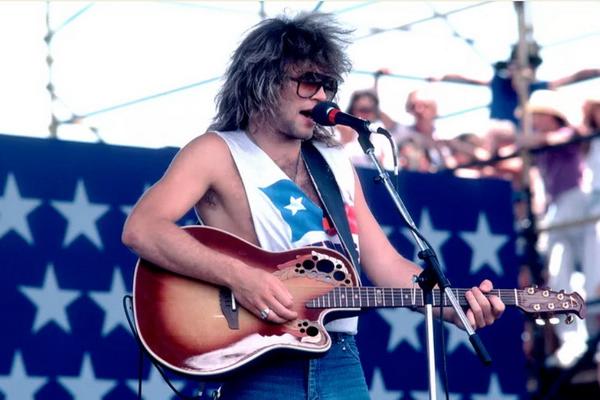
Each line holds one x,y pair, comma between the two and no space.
561,162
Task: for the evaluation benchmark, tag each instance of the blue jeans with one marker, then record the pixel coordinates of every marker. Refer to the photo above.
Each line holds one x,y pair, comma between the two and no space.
336,375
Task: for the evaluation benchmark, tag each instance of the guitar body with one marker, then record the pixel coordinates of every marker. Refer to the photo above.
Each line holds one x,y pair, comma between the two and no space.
195,328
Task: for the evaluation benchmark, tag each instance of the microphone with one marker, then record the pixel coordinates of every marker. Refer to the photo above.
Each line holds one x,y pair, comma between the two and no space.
327,113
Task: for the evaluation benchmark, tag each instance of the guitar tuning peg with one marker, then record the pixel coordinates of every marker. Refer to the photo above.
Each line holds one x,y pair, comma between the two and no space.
569,320
554,320
540,321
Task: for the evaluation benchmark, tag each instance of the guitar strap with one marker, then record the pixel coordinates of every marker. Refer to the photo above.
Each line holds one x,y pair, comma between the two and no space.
329,193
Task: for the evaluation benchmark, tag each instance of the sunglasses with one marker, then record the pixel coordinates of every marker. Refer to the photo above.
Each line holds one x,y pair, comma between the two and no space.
309,84
365,110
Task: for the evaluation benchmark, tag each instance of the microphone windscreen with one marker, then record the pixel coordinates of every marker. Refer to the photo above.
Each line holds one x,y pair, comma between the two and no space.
320,113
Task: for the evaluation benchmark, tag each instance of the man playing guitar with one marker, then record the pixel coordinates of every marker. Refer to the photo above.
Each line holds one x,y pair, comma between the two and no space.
246,176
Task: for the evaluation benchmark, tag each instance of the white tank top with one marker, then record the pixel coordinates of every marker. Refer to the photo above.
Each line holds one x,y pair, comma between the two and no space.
284,217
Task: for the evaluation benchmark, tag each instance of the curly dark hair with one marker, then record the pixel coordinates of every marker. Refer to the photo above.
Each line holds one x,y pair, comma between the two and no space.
258,67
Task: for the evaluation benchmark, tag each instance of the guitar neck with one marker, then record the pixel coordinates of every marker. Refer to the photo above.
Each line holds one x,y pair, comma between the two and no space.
382,297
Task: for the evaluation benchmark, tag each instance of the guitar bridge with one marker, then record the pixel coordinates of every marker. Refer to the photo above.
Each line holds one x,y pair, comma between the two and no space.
229,308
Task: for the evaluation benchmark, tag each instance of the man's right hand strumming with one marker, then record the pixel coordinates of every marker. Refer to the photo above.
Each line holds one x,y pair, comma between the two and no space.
264,295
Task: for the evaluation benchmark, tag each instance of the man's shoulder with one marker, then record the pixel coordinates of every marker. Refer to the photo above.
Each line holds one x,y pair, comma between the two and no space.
210,140
207,147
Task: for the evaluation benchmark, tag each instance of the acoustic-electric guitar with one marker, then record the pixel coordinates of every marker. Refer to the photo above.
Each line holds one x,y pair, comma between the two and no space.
198,328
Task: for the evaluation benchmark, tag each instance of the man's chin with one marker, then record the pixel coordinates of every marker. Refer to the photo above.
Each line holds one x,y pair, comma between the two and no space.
303,134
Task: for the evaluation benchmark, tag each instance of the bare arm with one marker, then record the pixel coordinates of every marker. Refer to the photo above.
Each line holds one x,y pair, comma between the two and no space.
150,229
461,79
387,121
152,233
578,76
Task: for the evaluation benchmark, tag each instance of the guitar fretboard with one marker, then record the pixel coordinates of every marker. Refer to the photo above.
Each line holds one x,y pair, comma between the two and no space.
368,297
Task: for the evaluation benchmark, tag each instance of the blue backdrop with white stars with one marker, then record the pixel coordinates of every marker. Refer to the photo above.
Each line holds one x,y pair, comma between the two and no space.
64,272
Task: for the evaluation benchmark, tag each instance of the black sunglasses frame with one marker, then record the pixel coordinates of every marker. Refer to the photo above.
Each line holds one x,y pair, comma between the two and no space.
329,85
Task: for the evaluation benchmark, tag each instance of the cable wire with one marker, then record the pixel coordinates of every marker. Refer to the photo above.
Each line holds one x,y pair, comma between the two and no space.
73,17
150,97
128,308
408,25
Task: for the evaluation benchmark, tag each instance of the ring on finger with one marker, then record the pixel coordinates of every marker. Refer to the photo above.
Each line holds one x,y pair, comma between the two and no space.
264,314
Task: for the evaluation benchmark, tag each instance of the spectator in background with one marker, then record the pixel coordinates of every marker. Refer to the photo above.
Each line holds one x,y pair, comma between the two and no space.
365,104
500,138
591,126
503,85
561,170
501,141
468,148
418,146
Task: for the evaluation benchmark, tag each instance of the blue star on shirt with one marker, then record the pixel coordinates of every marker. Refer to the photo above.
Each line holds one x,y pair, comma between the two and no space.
299,212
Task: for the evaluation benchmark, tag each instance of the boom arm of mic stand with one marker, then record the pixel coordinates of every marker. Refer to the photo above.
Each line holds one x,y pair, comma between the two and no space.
432,274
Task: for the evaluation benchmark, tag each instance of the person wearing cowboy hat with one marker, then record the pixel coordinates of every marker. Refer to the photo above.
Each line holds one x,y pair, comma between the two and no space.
591,126
561,171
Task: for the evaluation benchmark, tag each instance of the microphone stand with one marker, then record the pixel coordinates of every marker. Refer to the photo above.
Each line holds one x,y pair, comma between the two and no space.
431,275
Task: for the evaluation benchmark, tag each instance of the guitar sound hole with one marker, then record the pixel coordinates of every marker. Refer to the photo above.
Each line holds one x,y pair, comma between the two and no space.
325,266
339,276
308,264
312,331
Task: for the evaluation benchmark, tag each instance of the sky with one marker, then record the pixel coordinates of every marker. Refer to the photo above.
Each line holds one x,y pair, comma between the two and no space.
145,73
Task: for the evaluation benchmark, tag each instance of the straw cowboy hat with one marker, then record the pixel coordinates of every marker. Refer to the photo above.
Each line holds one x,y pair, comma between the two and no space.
546,102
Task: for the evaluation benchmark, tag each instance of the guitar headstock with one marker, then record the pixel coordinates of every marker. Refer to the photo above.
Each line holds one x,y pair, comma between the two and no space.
546,303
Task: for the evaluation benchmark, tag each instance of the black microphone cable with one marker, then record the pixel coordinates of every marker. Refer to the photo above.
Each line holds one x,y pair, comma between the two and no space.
128,308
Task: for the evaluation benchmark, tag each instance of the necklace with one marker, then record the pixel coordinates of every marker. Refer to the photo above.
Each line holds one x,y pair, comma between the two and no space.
297,168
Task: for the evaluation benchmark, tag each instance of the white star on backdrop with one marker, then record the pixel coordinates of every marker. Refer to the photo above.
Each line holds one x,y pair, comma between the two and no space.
18,385
81,216
494,392
485,246
155,388
14,210
112,303
424,395
387,229
295,205
403,324
51,301
378,390
437,237
126,209
87,385
457,337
